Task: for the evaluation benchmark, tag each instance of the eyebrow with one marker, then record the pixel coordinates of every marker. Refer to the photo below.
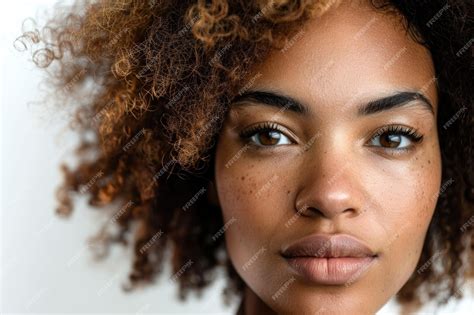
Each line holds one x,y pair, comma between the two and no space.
281,101
272,99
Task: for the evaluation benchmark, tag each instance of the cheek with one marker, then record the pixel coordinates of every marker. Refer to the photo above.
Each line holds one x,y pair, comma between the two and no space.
408,202
255,194
244,194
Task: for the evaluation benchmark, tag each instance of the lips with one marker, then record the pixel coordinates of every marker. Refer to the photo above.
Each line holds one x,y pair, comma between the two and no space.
329,259
324,245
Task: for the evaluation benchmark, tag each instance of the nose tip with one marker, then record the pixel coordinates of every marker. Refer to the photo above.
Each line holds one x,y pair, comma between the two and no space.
329,205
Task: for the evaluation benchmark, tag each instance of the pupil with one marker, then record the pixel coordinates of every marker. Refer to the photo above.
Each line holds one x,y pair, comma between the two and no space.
390,140
269,137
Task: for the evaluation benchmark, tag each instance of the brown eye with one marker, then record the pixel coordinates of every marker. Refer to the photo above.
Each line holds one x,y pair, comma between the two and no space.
390,140
395,137
269,137
266,135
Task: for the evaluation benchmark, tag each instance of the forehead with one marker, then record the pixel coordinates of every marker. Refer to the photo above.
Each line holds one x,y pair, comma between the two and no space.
353,51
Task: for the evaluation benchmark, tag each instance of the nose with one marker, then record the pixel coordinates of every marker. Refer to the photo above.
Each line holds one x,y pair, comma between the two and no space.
331,184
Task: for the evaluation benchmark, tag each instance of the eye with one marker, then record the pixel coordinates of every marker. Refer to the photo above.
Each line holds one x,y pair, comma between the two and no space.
265,135
395,138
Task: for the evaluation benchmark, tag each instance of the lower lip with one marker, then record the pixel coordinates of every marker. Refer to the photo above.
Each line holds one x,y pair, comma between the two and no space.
331,271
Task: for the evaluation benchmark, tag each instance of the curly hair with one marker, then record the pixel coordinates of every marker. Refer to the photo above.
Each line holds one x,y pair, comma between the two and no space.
149,84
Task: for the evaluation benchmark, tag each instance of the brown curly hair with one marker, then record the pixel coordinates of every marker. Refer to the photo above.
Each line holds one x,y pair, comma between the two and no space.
149,83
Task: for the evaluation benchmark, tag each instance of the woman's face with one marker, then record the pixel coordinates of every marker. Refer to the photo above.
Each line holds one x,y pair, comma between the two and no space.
359,157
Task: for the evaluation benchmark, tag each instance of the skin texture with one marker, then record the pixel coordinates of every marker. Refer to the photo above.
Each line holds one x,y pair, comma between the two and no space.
384,197
165,71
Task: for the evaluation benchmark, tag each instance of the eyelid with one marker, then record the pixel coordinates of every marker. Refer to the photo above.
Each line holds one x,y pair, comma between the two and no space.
268,125
406,131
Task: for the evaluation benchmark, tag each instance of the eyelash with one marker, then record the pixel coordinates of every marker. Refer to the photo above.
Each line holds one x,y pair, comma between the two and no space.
411,133
265,126
246,134
414,136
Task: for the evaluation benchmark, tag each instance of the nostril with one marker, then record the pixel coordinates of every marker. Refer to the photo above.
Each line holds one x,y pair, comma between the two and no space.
350,212
312,212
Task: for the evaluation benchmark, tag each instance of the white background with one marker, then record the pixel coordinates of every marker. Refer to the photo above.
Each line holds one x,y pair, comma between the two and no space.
46,265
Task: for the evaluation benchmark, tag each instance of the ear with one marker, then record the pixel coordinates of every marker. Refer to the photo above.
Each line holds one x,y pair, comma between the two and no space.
212,195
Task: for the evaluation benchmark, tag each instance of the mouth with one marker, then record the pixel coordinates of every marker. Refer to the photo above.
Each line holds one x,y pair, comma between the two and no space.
337,259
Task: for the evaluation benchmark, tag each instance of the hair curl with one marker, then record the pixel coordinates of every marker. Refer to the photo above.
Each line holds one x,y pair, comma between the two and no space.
151,82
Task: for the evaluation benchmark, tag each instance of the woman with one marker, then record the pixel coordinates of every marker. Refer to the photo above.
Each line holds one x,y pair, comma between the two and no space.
320,150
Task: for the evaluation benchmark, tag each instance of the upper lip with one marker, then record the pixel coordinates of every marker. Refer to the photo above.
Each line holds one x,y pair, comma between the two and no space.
327,245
